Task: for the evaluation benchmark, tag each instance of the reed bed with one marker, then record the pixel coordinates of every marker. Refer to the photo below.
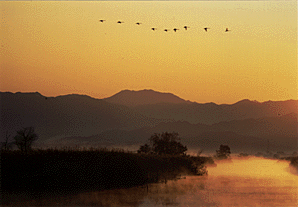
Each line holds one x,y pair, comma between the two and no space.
79,170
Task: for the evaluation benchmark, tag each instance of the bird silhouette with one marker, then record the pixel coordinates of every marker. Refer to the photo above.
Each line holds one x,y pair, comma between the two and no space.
185,27
102,20
138,23
153,28
175,29
227,30
206,28
119,22
166,30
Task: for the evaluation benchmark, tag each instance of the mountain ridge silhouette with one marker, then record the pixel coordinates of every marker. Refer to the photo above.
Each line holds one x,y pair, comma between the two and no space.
81,116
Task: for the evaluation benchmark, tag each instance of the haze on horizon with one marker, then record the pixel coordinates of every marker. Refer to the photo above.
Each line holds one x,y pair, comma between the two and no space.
59,48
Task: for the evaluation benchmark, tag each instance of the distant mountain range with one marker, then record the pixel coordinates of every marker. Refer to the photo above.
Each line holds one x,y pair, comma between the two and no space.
131,117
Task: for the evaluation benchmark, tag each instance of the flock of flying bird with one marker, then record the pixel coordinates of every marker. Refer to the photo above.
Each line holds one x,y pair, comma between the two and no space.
166,30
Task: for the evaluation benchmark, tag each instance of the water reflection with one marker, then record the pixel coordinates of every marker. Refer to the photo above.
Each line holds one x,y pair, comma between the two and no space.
158,194
252,182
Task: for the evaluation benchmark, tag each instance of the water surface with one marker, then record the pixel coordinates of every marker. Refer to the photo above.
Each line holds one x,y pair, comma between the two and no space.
250,182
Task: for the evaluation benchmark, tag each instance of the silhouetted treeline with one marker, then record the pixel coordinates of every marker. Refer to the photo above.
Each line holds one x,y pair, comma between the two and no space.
294,162
74,171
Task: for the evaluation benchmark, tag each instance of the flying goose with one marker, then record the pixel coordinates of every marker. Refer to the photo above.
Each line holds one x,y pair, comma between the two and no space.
206,28
185,27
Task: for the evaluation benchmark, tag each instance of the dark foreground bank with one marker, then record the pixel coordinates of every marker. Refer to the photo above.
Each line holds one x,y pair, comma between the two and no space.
73,171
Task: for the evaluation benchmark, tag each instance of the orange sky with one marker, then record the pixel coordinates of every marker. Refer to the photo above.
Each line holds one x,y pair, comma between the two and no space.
59,48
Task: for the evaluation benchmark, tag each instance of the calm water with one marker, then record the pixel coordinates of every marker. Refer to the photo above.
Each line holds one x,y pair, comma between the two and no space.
251,182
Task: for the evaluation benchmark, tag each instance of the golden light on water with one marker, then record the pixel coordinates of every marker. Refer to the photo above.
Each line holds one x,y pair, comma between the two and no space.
244,182
254,167
253,182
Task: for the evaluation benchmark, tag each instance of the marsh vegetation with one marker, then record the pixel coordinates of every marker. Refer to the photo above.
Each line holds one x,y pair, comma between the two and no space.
160,173
243,182
40,172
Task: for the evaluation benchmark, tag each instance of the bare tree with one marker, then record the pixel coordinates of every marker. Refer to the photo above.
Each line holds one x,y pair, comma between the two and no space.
24,138
6,145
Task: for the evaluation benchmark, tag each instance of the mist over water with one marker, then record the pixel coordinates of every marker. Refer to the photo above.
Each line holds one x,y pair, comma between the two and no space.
243,182
251,182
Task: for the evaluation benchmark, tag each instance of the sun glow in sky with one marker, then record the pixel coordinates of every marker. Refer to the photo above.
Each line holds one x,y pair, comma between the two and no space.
59,48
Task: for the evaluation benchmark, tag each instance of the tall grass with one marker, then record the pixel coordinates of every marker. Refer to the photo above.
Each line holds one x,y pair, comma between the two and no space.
78,170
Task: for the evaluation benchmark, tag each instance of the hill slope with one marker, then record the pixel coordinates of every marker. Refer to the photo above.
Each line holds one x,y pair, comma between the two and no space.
250,135
211,113
70,115
82,119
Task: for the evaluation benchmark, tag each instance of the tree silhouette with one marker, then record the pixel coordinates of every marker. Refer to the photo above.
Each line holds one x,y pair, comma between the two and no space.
24,138
164,144
223,152
6,145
